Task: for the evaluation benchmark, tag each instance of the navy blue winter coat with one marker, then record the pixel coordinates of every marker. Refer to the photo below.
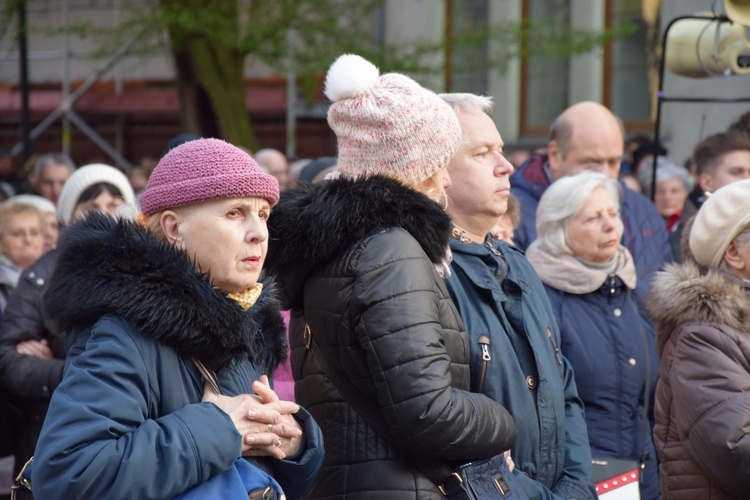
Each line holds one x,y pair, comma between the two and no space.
504,307
611,348
645,234
127,419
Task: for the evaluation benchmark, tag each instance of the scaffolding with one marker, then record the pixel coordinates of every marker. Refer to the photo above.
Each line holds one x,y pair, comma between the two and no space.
64,112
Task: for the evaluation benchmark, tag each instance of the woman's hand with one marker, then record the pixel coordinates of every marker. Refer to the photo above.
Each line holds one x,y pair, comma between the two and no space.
509,460
37,348
265,423
286,434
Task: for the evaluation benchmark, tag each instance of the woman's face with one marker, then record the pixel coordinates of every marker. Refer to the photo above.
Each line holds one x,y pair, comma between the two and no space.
23,239
227,238
670,197
51,231
594,232
104,203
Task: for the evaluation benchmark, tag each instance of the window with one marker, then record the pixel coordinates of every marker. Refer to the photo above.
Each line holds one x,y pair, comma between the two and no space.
469,64
544,80
626,90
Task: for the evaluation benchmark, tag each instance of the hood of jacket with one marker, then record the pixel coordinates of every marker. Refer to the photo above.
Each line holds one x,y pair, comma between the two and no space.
570,275
531,176
109,266
682,294
315,223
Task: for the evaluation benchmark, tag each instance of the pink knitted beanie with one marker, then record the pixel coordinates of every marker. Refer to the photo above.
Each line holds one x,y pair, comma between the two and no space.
388,123
203,170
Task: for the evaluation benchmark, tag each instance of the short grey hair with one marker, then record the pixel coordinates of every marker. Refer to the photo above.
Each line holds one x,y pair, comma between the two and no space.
52,159
741,240
668,168
671,171
561,201
463,101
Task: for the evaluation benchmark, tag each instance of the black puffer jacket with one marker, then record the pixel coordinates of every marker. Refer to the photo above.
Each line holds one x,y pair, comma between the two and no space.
30,380
357,263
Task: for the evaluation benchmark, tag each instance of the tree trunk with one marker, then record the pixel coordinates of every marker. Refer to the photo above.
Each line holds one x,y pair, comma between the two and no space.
220,72
196,112
210,64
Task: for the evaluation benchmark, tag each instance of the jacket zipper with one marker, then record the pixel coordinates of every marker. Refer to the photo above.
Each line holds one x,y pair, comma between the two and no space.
557,350
484,342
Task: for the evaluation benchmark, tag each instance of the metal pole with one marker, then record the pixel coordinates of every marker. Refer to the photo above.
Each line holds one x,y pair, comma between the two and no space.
66,132
24,82
99,141
67,103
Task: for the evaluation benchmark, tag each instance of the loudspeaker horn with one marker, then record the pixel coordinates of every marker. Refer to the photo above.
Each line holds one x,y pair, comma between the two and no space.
707,47
738,11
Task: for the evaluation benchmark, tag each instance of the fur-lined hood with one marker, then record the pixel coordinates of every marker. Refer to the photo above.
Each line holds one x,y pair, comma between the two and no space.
682,294
115,266
313,224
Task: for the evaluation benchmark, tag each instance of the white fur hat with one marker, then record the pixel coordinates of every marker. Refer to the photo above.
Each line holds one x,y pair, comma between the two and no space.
87,176
39,202
388,123
723,216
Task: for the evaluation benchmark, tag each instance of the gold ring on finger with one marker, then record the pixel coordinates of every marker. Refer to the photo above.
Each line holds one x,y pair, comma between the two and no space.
278,443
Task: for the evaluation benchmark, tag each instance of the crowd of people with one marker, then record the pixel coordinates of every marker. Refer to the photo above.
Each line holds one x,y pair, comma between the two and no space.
225,324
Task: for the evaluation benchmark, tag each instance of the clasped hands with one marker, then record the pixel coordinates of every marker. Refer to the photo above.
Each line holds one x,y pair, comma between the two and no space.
265,422
37,348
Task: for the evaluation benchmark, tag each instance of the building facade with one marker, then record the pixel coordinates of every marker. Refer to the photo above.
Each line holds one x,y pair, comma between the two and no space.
134,106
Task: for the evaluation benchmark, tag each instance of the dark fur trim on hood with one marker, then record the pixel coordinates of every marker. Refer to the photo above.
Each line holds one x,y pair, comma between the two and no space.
114,266
682,294
316,222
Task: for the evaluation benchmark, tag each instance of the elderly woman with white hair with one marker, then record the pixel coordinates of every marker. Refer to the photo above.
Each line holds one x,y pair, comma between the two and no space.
590,279
702,312
49,213
673,185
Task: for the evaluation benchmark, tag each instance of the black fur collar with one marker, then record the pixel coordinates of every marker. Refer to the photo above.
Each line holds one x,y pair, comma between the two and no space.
313,224
108,266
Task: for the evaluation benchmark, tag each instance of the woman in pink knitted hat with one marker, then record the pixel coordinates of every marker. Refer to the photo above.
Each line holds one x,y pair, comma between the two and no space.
379,354
170,336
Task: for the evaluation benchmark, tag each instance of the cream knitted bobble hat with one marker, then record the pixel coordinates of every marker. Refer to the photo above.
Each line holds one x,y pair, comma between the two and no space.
388,123
720,219
87,176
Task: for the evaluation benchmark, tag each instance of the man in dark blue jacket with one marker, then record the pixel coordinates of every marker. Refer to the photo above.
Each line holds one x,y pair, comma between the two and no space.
588,135
514,338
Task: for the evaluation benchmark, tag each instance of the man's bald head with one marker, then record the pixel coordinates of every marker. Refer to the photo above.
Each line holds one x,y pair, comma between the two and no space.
275,163
585,135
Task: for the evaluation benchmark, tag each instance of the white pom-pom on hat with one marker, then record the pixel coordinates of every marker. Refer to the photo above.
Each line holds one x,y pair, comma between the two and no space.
350,76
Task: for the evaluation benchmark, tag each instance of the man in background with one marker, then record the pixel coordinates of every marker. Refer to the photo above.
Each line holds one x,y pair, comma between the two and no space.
275,163
588,135
49,175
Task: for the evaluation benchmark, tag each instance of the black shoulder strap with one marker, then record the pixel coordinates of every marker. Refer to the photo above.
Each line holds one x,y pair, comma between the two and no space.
436,470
